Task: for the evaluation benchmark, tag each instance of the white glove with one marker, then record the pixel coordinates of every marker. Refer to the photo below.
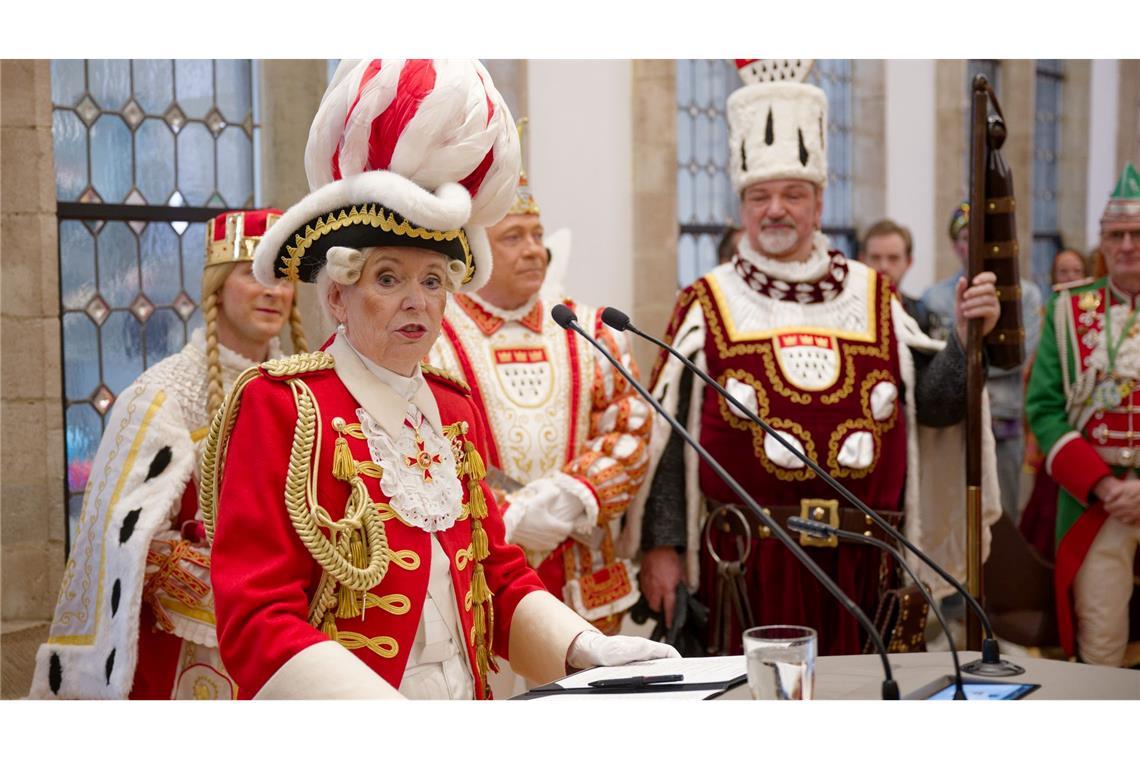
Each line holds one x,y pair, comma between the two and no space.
547,510
593,648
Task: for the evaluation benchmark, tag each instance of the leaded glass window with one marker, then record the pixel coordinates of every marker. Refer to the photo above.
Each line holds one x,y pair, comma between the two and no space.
1046,151
706,203
145,152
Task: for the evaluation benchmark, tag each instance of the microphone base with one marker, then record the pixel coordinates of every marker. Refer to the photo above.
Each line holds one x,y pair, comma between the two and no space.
999,669
991,664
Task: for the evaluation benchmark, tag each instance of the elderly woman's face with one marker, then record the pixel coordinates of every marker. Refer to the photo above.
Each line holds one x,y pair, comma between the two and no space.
393,313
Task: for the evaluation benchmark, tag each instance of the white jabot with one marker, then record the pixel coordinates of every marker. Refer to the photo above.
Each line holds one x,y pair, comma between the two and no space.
507,315
437,666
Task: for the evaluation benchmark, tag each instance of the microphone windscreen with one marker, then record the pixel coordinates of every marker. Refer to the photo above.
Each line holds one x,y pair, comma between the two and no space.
562,315
615,318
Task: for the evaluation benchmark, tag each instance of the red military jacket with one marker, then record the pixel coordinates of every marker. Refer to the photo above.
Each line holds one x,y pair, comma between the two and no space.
265,577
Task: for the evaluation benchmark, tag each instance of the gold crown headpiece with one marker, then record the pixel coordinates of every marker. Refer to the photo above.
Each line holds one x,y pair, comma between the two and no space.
232,235
524,201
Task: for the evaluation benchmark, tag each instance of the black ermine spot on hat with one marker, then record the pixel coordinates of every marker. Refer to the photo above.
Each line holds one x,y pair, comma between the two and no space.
116,590
55,673
743,158
803,150
159,463
110,666
129,525
769,132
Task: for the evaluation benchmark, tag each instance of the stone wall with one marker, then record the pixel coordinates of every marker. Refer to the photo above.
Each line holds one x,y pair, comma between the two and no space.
654,201
31,445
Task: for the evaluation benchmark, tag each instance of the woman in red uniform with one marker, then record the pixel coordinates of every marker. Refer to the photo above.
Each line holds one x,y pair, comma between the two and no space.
357,551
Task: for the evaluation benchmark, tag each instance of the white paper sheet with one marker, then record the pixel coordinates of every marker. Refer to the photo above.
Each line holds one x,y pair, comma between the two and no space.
694,695
694,669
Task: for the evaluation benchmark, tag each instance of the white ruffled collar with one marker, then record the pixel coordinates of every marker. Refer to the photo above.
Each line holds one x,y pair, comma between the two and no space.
228,358
810,270
507,315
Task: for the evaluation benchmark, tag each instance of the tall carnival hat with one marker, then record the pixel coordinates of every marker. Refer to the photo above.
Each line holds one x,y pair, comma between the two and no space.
777,124
524,202
1123,209
231,238
411,153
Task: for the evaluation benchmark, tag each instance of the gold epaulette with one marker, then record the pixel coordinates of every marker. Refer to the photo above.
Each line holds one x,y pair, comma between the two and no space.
297,364
453,380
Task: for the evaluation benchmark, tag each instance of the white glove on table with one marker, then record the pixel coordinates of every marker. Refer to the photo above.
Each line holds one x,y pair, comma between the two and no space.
593,648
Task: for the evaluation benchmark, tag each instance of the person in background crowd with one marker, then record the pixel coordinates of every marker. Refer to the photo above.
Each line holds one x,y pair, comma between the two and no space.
1039,515
1082,403
149,633
887,247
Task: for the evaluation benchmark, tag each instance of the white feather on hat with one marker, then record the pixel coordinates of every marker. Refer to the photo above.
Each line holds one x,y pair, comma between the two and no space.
407,135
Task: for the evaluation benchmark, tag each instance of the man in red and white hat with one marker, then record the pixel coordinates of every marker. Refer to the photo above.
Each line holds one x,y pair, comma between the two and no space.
820,347
567,431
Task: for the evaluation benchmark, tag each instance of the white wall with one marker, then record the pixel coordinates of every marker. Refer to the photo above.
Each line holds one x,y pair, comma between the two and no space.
1104,89
581,170
910,132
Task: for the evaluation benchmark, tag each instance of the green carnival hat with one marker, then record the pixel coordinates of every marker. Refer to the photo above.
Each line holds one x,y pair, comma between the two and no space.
1123,207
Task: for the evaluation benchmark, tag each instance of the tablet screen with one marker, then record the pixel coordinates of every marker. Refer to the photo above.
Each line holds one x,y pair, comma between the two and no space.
987,691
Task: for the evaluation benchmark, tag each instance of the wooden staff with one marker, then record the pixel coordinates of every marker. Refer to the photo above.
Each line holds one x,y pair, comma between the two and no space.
994,248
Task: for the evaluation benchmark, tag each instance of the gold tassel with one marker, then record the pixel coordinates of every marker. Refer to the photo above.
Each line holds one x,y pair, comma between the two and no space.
347,602
328,626
356,552
344,466
480,592
474,463
482,661
490,638
480,623
479,542
476,502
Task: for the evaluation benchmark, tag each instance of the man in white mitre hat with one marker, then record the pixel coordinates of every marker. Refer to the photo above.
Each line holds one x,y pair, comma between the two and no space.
822,349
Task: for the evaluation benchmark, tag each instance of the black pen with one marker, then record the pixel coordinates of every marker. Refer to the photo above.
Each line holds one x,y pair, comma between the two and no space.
610,683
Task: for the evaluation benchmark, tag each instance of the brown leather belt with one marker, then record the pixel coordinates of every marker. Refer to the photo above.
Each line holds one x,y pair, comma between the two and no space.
824,510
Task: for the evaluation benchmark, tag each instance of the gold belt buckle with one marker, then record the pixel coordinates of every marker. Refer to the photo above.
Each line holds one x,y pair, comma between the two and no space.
824,511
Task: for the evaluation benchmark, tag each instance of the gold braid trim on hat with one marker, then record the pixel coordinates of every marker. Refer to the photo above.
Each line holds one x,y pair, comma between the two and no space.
372,215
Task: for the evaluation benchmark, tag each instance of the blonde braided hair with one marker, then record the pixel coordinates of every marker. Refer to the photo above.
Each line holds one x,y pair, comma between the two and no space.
213,277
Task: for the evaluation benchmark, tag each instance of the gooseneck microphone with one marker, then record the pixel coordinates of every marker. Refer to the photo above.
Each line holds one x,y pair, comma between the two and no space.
817,529
565,319
991,663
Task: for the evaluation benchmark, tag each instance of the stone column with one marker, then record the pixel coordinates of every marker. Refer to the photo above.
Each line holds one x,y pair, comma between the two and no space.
1017,90
1018,98
868,142
291,91
1128,133
1073,162
654,201
31,444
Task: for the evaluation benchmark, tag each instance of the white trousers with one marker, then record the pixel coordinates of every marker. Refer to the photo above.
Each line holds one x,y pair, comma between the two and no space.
1101,594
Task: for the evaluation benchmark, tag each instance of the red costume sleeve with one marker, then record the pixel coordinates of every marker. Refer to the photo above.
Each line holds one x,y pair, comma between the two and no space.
263,575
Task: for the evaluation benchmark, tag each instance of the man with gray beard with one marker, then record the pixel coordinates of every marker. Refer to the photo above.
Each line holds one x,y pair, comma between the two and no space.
821,348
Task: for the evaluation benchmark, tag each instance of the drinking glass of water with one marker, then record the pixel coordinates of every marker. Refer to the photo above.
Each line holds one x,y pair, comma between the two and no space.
781,661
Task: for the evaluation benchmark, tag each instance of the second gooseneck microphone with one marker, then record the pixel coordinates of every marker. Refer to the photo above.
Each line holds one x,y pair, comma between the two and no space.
565,319
991,663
